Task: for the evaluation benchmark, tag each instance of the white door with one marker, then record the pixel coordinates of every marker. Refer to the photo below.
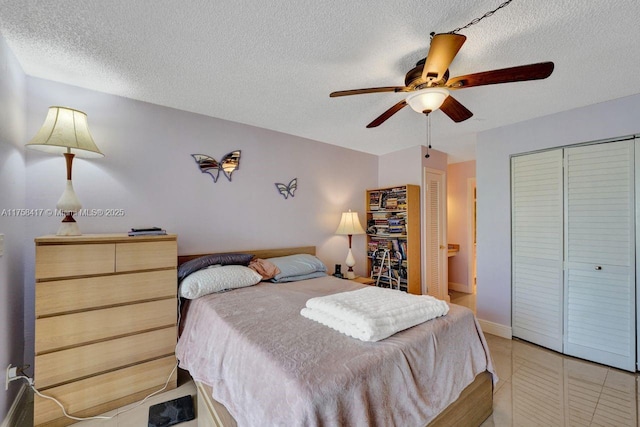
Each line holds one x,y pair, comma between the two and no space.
537,233
600,297
436,237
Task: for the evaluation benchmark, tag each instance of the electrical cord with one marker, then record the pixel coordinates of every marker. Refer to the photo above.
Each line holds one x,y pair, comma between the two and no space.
97,417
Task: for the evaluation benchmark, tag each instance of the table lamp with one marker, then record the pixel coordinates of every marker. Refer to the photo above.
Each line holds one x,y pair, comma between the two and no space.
65,131
350,225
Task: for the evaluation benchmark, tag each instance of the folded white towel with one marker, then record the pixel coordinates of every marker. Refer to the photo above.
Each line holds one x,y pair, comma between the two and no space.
372,313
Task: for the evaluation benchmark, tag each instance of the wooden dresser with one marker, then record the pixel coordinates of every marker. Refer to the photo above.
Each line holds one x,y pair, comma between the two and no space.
106,314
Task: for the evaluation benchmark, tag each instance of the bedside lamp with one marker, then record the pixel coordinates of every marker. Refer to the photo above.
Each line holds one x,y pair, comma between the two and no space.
65,131
350,225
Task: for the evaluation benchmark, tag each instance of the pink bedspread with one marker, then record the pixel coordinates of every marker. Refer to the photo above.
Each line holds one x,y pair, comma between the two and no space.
272,367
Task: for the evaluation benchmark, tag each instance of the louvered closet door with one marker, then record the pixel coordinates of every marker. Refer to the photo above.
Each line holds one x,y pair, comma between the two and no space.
537,233
436,246
600,254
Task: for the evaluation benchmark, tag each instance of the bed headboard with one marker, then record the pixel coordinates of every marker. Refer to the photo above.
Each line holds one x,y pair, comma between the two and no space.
260,253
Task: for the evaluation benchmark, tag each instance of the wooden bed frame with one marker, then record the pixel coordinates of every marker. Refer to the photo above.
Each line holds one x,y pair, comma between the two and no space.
474,405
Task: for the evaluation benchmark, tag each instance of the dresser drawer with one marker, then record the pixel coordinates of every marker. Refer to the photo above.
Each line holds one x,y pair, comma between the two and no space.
87,360
105,392
75,329
63,296
74,260
146,255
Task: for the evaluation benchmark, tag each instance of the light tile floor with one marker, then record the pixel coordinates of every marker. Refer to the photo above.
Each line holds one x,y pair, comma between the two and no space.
537,387
465,300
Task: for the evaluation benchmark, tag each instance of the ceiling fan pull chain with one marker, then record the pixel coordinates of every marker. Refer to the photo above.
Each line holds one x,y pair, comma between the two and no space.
429,130
486,15
428,135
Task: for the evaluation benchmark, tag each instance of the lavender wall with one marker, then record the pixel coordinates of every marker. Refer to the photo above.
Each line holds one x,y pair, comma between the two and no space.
595,122
407,167
458,230
400,168
148,172
12,196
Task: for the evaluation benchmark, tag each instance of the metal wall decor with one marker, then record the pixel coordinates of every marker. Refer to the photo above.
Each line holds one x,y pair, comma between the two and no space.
227,165
287,190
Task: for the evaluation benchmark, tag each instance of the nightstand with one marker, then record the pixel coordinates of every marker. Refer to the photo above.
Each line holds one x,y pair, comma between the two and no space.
365,280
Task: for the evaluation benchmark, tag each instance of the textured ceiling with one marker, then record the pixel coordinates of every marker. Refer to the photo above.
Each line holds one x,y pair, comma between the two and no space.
273,63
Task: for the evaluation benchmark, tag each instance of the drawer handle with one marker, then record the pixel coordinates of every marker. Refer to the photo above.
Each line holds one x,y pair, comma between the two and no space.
598,267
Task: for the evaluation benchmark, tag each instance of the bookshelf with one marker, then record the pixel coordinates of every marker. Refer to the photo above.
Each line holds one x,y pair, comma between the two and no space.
393,223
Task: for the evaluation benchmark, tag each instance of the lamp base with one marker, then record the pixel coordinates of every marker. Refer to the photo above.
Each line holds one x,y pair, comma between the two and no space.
69,229
350,261
69,205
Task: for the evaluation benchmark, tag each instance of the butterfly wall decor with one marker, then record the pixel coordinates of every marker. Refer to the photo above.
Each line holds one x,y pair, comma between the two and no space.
287,190
227,164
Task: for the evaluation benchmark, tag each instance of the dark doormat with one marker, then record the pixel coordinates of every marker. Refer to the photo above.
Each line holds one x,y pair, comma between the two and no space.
173,412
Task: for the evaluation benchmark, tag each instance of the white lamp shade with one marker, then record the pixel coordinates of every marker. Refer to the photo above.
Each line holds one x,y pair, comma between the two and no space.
427,100
65,130
349,224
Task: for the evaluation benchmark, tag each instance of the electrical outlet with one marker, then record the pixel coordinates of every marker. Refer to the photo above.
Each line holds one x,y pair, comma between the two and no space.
12,373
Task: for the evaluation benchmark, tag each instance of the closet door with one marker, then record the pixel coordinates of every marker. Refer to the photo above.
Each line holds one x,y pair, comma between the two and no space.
436,239
600,254
537,233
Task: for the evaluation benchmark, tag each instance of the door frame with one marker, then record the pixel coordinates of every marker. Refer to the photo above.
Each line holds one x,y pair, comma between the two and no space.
471,232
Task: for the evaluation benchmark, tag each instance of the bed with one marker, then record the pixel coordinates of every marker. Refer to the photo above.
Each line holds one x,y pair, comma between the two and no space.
256,361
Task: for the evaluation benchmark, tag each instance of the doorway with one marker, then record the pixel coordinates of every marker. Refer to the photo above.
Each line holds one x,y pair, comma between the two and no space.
464,290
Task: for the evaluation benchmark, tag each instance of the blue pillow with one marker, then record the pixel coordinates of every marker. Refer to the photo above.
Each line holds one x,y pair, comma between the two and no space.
299,277
299,265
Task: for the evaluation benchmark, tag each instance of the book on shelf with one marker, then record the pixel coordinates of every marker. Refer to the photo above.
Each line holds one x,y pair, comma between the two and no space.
396,230
396,220
402,247
380,216
147,231
374,201
391,203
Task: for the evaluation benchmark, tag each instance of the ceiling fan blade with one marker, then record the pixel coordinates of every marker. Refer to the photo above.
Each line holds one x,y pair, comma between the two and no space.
370,90
456,111
444,47
521,73
390,112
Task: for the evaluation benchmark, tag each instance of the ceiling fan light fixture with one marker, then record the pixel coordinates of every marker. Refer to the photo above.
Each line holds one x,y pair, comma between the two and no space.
427,100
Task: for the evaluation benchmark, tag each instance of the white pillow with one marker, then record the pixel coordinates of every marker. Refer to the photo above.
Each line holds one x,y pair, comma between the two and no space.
210,280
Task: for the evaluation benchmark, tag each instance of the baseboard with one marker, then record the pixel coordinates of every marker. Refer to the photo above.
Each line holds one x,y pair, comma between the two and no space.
18,410
495,329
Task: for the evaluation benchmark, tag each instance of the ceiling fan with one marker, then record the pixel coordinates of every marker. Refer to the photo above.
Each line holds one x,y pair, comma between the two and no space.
429,83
